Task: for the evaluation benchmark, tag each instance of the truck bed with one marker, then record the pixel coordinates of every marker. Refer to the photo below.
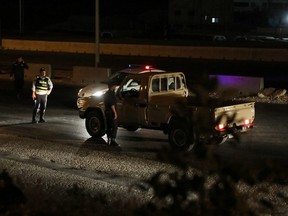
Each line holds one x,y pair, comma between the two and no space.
237,115
229,113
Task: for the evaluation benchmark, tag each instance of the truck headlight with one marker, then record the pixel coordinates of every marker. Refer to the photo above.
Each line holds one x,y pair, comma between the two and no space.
99,93
79,92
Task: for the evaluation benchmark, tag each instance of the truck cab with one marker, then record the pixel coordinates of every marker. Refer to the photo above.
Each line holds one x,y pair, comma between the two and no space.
145,101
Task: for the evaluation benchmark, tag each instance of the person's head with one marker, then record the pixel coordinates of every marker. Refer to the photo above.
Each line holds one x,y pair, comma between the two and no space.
19,59
112,86
42,72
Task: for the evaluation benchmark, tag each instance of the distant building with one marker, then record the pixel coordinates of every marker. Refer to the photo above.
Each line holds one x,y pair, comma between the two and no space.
259,5
193,15
249,5
188,15
265,13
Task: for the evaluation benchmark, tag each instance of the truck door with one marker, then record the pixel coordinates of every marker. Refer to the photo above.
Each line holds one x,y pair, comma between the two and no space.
166,92
159,101
130,112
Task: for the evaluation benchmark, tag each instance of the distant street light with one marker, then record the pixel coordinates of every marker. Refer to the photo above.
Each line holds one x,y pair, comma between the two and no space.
97,34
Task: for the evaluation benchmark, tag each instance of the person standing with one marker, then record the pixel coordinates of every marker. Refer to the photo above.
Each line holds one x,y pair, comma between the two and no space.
111,114
41,88
17,71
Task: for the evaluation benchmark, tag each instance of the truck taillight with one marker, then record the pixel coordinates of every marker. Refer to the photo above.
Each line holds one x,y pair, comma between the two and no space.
220,127
247,122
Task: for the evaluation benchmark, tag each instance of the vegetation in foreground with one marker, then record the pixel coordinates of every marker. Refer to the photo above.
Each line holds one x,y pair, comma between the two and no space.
217,189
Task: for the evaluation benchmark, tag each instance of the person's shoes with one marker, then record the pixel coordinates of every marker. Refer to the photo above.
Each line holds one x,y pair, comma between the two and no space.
114,143
42,121
34,121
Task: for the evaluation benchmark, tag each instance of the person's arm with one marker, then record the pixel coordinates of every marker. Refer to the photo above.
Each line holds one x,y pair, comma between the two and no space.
114,111
50,86
33,90
49,91
25,65
33,95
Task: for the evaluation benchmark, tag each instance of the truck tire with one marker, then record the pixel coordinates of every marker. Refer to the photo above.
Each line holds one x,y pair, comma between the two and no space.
131,128
95,125
180,137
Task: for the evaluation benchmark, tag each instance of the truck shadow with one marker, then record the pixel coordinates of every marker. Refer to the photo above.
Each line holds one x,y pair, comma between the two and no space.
95,144
100,144
16,124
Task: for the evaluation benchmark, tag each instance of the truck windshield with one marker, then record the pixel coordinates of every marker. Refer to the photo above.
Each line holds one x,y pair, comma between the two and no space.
131,88
116,78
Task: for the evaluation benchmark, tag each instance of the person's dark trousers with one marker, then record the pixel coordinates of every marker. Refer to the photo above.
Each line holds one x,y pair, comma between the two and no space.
112,126
19,85
40,103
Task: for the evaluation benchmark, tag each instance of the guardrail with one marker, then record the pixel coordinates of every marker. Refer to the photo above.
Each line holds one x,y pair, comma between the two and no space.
193,52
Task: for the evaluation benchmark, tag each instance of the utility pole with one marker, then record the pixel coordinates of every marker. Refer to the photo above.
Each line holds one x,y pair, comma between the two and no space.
97,34
0,33
20,17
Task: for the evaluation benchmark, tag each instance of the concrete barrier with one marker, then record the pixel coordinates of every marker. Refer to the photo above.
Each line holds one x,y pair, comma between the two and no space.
233,85
239,85
88,75
79,76
49,46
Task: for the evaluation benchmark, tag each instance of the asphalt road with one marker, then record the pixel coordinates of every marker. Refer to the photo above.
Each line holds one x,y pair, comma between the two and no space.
268,139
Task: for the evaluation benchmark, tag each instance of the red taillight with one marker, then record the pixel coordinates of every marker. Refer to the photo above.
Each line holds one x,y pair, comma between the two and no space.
220,127
147,67
247,122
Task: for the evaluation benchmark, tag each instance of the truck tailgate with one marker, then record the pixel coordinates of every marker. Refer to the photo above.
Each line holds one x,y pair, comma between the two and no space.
242,114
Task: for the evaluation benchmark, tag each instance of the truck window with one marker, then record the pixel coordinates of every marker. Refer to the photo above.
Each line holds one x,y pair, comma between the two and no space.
163,84
182,82
117,77
155,85
130,88
171,83
178,83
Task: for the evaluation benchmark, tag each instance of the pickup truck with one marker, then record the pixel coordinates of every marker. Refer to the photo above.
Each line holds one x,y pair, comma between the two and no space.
162,101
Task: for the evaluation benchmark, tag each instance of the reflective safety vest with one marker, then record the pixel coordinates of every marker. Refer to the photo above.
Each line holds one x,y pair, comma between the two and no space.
42,85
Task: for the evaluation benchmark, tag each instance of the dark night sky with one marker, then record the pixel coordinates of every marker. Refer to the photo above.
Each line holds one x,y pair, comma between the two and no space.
41,13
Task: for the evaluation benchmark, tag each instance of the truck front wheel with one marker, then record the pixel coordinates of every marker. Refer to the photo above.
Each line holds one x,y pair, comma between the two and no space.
95,125
180,137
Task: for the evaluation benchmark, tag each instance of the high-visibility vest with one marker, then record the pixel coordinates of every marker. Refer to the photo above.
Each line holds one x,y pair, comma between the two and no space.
42,85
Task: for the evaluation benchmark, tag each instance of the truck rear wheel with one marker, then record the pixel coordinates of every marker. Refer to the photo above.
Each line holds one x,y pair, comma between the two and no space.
95,125
180,137
131,128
